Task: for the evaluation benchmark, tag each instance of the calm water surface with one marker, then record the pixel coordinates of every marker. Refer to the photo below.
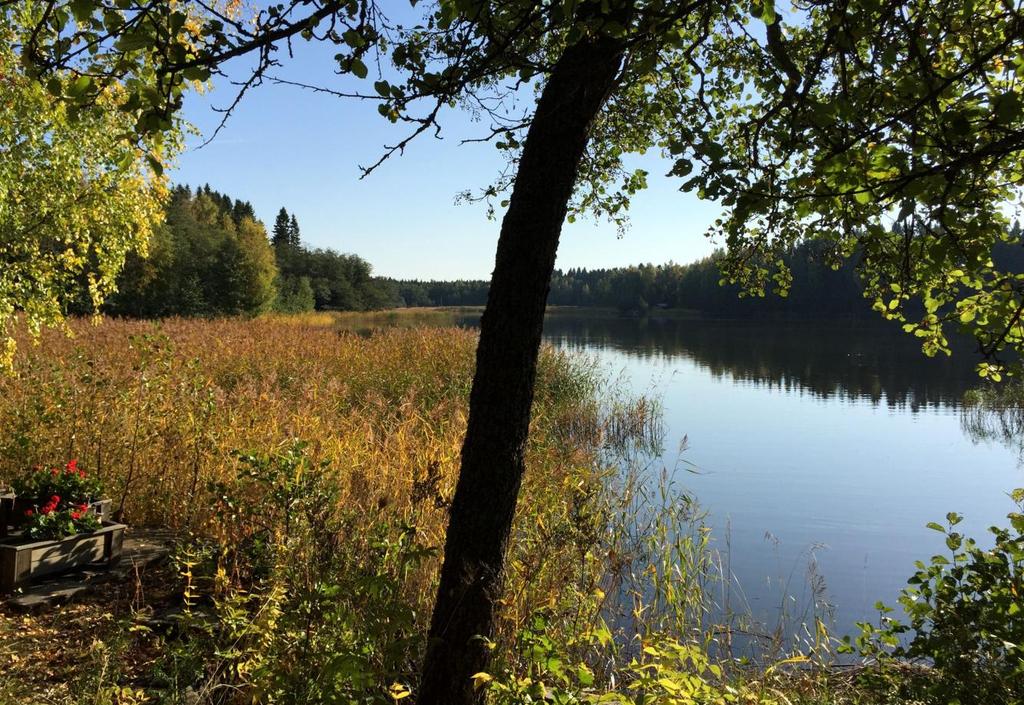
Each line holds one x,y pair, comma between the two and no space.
823,445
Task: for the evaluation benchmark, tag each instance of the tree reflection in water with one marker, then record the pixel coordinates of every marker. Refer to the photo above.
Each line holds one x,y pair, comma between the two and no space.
995,413
844,359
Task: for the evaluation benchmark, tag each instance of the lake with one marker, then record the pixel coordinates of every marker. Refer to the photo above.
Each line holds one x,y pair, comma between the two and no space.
810,445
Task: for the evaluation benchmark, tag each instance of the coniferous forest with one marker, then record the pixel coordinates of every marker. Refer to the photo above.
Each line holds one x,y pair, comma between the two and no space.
818,290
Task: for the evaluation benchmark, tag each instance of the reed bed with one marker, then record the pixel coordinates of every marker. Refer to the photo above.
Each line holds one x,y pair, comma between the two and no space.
367,321
157,408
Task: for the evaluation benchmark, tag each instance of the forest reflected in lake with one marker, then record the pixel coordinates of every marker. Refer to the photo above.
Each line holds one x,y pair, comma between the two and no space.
853,360
820,450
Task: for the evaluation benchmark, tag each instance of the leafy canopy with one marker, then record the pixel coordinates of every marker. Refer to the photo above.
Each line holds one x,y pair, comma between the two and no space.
75,196
889,131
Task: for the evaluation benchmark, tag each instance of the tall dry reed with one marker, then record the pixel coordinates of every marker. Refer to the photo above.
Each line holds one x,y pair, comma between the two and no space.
157,408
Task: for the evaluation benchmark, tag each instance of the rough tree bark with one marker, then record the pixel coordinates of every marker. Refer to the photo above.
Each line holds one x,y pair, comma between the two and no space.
510,334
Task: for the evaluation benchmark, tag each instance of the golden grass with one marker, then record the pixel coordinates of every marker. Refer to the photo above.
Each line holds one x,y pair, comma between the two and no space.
157,408
366,321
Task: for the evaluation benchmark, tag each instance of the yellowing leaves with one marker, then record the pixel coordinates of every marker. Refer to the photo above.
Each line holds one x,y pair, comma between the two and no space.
481,679
398,691
78,195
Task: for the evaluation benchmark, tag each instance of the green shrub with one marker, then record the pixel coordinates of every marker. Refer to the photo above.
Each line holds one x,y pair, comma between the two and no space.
305,599
662,671
965,627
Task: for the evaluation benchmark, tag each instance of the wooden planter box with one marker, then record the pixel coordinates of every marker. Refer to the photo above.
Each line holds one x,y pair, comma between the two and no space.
12,511
7,500
22,560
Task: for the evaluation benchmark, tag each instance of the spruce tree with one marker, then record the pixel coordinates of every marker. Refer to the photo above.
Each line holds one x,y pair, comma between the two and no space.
241,210
281,236
293,233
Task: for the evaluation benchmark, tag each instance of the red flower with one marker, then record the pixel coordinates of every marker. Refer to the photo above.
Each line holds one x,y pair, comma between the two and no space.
72,465
29,512
76,515
55,499
82,507
47,509
54,472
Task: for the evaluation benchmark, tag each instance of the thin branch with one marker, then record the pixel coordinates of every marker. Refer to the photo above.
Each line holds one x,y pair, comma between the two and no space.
323,89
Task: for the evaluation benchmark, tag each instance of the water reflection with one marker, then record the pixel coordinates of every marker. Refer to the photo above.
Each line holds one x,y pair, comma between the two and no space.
821,450
855,361
995,413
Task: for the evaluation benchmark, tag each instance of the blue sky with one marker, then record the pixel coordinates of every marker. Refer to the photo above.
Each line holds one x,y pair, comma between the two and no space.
289,147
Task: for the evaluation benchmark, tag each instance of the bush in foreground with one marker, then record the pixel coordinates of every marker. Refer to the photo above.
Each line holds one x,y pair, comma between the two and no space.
965,624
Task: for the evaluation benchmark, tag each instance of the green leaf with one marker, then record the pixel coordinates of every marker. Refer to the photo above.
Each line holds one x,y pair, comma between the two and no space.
1007,107
79,86
682,167
713,150
957,122
196,73
134,41
82,10
155,165
354,39
358,68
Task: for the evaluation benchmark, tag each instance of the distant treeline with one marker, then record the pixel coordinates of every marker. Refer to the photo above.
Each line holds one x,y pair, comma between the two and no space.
818,290
212,257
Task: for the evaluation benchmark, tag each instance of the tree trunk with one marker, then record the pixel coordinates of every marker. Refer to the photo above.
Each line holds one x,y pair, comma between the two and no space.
506,367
